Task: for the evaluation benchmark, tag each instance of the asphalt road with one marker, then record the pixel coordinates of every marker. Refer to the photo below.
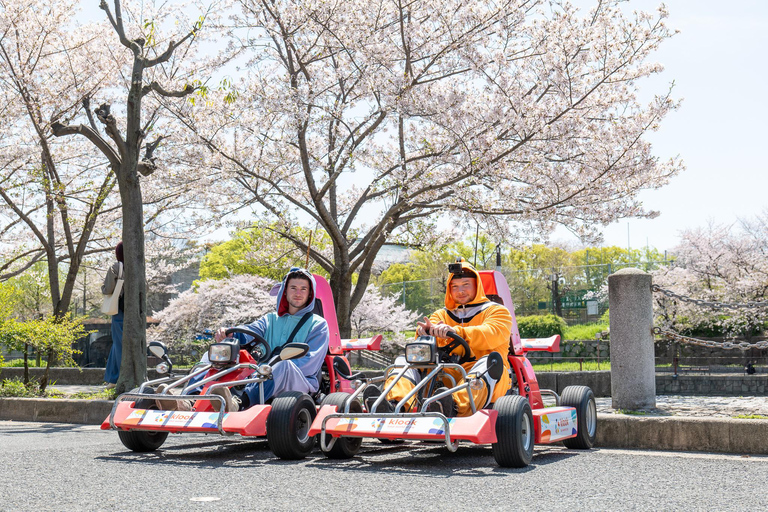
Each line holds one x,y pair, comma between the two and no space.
46,466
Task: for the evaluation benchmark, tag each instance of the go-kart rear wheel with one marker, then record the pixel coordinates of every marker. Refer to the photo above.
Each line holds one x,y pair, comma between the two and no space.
142,440
581,398
344,447
288,425
514,432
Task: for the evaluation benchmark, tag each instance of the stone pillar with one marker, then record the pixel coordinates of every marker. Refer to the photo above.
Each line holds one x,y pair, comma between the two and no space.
633,370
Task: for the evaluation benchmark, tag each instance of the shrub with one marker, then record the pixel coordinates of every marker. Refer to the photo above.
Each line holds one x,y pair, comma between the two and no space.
16,388
584,331
541,326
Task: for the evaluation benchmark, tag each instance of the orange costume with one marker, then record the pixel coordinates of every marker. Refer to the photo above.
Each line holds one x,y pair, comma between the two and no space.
486,327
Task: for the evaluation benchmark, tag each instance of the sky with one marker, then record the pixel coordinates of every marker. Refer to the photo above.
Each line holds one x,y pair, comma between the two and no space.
718,63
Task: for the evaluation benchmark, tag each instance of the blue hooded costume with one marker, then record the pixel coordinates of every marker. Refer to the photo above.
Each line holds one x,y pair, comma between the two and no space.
296,374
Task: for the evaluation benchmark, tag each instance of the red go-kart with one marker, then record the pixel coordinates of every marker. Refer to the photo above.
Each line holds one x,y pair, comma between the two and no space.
512,425
285,420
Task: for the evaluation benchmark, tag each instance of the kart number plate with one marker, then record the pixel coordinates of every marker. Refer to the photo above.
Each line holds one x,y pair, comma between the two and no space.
146,418
558,425
423,426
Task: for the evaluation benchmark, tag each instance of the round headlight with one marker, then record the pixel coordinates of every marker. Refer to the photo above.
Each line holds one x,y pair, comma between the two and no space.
265,370
162,368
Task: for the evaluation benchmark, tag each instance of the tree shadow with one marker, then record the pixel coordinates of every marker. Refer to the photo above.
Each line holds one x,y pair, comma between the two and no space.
10,427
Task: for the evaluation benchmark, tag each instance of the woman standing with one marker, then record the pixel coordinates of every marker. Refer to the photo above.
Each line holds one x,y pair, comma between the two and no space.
116,354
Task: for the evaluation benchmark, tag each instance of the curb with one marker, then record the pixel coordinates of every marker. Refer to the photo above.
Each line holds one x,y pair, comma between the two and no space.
88,412
671,433
683,433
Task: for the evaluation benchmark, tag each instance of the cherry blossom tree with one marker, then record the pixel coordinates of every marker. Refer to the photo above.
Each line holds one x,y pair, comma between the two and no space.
377,313
717,263
372,119
215,303
159,41
51,193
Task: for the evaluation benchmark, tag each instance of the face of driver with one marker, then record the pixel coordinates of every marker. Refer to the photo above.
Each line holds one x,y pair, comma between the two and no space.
297,292
463,289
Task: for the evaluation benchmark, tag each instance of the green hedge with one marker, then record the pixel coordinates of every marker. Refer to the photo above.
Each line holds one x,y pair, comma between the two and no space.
541,326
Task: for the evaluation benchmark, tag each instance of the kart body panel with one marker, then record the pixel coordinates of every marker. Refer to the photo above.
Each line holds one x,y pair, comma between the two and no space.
553,424
250,422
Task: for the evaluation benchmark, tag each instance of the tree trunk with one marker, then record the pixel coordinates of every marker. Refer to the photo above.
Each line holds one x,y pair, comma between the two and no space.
341,285
26,364
133,366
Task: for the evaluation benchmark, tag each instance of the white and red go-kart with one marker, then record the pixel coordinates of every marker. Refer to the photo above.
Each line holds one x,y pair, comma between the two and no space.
512,426
285,420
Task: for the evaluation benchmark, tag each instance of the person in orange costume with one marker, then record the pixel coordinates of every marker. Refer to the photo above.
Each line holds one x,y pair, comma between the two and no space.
485,326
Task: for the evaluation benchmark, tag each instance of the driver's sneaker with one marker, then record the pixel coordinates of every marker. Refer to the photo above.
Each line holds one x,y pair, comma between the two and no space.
231,404
171,405
445,406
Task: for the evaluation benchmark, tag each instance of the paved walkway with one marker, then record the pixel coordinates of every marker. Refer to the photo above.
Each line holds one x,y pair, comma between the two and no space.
712,406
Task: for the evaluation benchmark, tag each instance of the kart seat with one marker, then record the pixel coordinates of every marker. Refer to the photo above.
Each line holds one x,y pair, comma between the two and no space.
318,310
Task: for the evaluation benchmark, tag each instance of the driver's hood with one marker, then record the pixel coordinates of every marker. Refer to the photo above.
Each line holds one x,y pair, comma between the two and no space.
480,297
282,302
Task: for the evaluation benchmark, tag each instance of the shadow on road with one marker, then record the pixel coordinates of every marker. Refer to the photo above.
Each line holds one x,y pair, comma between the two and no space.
423,459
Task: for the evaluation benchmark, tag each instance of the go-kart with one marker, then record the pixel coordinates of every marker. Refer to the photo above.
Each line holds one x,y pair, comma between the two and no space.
284,420
512,425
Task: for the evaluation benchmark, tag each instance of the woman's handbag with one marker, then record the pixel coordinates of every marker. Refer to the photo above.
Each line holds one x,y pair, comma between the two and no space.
110,304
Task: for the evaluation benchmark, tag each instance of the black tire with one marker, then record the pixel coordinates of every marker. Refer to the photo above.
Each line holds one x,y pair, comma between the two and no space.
288,425
581,398
514,432
142,440
344,447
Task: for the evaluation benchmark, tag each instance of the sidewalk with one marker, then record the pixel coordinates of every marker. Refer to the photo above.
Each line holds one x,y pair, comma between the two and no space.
666,405
678,423
699,406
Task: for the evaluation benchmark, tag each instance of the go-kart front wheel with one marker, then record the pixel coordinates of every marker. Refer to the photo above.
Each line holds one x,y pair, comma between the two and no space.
583,400
344,447
514,432
288,425
141,440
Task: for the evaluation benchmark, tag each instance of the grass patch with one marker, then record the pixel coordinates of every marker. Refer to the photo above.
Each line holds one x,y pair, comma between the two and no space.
631,412
570,366
102,394
751,417
19,363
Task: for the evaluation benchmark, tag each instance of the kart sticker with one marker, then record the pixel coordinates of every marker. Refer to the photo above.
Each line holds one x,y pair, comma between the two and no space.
145,418
558,425
434,426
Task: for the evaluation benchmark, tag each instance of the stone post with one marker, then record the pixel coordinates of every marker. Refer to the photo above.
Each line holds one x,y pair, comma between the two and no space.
633,370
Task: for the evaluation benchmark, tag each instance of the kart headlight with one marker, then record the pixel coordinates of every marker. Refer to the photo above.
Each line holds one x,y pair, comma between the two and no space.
162,368
421,351
219,353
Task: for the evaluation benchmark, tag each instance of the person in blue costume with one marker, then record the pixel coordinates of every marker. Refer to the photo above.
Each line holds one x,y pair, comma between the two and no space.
112,371
295,301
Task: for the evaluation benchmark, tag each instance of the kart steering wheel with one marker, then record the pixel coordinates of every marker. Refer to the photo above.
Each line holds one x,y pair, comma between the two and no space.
458,341
258,346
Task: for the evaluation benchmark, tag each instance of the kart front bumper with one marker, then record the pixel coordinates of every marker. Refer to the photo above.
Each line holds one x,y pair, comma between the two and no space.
250,422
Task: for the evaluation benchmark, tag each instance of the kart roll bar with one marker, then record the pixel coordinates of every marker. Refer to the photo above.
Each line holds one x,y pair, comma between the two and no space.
182,380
